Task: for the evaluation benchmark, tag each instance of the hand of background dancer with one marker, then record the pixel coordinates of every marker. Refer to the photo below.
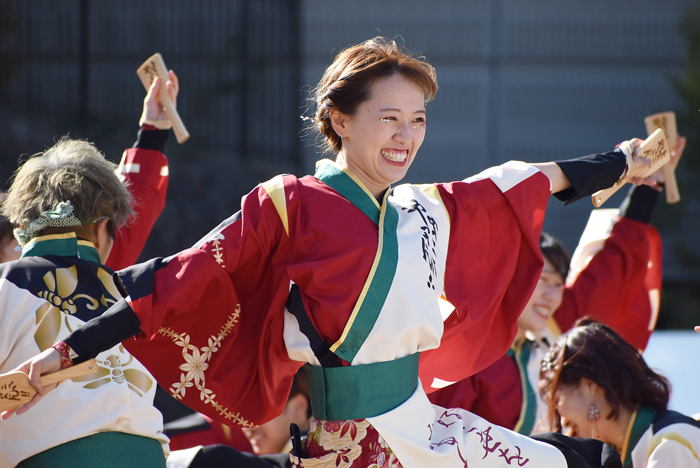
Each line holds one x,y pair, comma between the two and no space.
676,154
45,363
153,110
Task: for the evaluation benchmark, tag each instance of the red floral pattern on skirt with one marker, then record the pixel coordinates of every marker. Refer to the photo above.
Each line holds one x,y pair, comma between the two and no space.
345,444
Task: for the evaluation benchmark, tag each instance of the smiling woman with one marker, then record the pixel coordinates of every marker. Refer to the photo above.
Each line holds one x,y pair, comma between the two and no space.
345,273
371,111
380,140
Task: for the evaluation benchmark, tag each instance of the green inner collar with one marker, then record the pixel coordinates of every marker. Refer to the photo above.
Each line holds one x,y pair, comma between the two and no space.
644,418
371,300
521,355
332,175
64,245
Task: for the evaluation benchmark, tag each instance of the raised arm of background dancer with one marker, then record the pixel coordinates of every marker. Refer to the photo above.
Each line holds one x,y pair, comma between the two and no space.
617,277
144,169
611,286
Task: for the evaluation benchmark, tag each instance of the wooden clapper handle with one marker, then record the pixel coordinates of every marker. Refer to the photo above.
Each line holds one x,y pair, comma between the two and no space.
84,368
155,66
666,121
15,389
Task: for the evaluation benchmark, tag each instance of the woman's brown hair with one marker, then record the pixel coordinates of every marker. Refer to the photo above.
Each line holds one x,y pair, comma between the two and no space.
346,82
596,352
554,250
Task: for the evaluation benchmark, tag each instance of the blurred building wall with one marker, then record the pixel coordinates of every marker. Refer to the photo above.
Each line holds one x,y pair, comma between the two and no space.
532,80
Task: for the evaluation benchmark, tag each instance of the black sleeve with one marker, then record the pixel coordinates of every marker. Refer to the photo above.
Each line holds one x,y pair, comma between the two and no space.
582,453
151,139
639,203
117,324
590,174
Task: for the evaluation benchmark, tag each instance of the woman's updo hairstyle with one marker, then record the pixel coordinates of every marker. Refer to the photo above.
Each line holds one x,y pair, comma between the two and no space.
347,81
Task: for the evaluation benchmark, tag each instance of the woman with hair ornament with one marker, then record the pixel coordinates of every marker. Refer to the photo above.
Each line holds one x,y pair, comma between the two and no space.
343,272
73,215
599,386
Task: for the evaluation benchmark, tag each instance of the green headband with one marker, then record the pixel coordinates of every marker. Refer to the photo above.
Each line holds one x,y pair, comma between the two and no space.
61,216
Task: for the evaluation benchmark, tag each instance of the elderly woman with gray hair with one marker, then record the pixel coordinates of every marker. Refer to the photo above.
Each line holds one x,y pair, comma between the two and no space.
72,208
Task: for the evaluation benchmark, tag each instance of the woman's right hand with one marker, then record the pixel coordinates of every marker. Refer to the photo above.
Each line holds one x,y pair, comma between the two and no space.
45,363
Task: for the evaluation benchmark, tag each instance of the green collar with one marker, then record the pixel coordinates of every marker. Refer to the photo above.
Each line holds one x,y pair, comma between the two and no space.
643,418
349,187
64,245
520,353
378,283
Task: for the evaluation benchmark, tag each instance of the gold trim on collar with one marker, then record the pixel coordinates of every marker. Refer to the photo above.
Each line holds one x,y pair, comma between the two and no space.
623,454
65,235
370,277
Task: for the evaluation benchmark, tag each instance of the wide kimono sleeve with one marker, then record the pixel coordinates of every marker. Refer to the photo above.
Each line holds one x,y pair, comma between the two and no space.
212,317
15,304
615,277
672,452
493,264
145,174
494,393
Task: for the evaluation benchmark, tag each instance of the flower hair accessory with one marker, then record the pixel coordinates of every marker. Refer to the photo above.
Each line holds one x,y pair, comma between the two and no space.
61,216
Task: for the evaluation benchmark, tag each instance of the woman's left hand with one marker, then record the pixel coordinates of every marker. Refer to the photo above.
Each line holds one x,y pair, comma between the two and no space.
45,363
656,180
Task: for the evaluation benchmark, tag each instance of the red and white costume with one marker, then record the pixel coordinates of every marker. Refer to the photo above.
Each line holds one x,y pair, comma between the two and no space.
44,300
216,333
615,277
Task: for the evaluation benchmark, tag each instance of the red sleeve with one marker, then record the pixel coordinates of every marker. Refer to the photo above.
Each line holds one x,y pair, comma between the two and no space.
495,393
619,285
212,318
493,265
145,173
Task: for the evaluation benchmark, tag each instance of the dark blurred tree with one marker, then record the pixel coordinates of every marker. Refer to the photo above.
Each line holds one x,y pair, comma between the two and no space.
681,296
689,89
9,41
10,63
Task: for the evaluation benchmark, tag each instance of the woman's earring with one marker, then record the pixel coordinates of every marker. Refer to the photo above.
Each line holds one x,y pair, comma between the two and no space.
342,136
593,417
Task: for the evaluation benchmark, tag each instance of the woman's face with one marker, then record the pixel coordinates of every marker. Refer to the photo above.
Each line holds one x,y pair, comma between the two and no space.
381,139
573,403
545,300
